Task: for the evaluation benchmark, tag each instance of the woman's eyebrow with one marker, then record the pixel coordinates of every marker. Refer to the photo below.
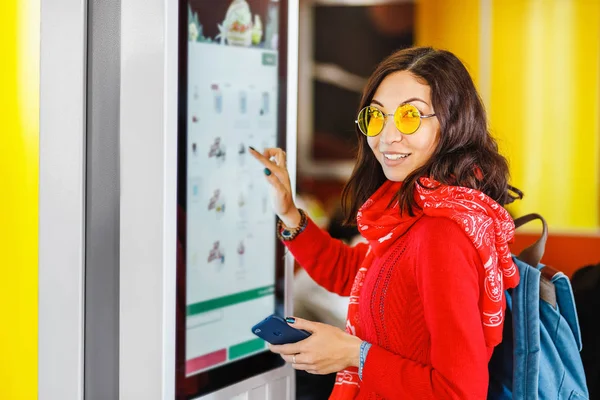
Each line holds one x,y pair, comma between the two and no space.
415,99
405,101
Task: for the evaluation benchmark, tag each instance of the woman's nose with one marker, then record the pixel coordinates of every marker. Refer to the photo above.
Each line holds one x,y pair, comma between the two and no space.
390,133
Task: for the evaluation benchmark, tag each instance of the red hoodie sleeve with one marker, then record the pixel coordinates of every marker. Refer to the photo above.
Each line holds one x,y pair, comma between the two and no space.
330,262
448,273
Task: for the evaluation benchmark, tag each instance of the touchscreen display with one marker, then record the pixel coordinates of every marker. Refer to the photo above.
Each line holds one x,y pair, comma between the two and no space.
232,103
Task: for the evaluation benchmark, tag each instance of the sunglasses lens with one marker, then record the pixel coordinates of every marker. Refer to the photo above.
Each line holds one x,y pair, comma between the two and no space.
370,121
407,119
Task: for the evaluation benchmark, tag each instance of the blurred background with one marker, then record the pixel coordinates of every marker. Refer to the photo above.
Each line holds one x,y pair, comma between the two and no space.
536,64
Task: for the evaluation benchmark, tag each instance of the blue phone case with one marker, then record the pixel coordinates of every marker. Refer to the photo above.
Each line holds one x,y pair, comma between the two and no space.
275,330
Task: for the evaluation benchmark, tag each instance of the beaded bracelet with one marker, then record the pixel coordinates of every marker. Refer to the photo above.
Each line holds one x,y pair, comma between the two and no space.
286,234
364,350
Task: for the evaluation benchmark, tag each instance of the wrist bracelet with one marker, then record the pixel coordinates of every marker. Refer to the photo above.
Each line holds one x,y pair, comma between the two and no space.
364,350
286,234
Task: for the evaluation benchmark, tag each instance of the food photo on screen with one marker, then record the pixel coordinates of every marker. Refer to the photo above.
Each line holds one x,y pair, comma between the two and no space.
242,23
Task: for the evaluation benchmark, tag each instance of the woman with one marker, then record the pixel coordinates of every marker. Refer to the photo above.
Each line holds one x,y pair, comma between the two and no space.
426,292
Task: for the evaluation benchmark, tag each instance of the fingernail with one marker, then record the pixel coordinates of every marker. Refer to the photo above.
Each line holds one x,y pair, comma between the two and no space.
290,320
251,148
267,171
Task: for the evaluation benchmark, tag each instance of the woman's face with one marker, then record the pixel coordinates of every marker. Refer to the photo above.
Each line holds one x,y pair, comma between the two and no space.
401,154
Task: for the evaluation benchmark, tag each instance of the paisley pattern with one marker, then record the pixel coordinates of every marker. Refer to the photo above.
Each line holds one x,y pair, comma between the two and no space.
485,222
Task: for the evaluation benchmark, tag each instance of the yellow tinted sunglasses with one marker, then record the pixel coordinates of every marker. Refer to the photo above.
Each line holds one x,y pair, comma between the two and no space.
407,118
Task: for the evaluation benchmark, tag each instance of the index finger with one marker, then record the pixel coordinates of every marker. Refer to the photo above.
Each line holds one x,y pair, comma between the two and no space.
268,153
263,159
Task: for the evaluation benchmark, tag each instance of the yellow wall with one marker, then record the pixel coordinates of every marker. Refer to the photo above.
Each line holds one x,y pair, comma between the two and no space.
543,100
19,143
545,106
452,26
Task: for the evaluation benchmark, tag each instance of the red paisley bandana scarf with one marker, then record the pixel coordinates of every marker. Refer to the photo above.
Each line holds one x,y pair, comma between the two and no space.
485,222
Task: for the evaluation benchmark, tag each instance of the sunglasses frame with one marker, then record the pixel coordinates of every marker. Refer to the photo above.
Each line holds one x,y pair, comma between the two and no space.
385,118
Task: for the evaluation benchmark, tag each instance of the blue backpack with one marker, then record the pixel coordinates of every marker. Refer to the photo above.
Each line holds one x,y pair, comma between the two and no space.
539,354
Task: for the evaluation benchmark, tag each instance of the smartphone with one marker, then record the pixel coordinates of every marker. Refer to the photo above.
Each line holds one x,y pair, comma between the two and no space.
275,330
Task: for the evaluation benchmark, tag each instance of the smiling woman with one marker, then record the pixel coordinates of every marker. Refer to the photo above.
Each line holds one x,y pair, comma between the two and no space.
427,193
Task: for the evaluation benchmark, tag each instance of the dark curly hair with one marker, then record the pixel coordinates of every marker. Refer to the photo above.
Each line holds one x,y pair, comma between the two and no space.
466,153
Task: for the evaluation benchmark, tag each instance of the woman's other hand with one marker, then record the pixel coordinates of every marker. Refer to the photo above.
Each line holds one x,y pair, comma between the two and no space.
328,349
274,161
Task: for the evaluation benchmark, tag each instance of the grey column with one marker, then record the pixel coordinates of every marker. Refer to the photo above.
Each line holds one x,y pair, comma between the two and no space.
102,202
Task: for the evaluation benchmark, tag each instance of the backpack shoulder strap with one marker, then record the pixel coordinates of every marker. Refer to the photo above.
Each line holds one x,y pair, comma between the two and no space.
533,254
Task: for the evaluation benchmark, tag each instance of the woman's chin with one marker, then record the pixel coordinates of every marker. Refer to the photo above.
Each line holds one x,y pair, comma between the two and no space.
394,175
